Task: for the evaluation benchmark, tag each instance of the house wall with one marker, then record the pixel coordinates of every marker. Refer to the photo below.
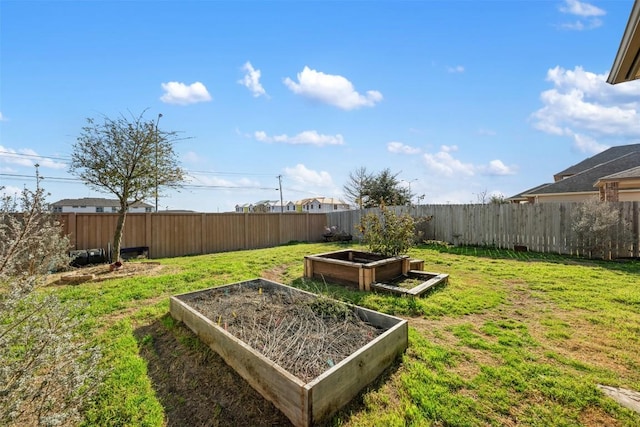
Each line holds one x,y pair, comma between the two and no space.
629,195
568,197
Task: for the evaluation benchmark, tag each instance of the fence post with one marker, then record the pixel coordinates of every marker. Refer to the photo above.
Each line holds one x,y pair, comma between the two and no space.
73,233
635,230
203,233
148,233
246,227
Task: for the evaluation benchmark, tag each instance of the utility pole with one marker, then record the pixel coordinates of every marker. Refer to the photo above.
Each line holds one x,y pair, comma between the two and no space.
157,137
37,177
280,186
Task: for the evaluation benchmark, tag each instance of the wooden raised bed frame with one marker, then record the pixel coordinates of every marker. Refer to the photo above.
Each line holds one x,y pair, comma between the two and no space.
430,280
303,403
353,267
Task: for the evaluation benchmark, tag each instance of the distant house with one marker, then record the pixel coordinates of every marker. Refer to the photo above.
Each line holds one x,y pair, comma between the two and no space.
97,205
323,204
312,205
245,208
613,175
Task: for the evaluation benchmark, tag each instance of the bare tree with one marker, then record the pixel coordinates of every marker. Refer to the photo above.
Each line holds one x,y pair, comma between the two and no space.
355,188
130,158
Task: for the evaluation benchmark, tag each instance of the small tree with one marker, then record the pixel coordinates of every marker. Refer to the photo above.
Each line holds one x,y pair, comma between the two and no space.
131,159
385,189
388,234
356,187
48,371
594,224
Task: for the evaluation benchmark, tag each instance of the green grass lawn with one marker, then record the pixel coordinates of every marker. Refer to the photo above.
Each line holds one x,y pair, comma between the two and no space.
514,338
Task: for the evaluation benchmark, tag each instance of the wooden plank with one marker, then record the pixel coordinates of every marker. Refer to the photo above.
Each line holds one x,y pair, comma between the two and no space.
336,387
425,286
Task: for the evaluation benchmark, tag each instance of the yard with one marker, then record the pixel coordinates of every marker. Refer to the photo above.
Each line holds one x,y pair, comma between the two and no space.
514,338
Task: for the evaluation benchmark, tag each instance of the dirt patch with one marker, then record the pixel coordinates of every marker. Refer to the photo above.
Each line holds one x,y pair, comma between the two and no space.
101,272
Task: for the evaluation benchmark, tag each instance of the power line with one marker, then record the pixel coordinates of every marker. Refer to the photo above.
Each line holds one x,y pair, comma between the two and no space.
42,157
194,186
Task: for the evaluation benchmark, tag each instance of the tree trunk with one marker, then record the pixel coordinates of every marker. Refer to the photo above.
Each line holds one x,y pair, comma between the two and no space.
117,236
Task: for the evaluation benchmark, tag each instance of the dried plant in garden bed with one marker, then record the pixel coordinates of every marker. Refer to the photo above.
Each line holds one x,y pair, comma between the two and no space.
303,333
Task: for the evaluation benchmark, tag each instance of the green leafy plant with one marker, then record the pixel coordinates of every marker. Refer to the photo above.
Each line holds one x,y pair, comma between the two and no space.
388,233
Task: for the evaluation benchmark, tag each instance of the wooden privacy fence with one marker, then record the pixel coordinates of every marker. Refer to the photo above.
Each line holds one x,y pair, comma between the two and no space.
541,227
178,234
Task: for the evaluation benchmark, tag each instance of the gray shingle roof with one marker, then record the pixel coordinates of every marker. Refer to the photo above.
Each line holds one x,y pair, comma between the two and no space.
630,173
529,191
604,157
585,180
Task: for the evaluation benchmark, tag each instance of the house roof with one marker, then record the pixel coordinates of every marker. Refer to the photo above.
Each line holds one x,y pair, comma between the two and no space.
323,200
521,196
585,180
628,174
603,157
626,65
96,201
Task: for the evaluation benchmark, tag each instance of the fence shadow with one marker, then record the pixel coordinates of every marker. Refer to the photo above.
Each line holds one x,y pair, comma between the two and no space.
628,264
195,386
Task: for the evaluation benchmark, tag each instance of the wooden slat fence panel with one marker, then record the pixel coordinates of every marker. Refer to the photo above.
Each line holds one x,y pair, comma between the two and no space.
178,234
541,227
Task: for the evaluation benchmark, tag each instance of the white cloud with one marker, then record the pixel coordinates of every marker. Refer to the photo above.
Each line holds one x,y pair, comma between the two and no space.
496,167
586,12
308,137
444,163
9,190
486,132
301,175
584,107
331,89
457,69
2,118
28,157
191,157
399,147
584,9
251,80
587,144
181,94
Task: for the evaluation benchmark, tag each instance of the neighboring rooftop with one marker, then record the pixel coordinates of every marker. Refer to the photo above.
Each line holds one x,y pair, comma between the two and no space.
96,201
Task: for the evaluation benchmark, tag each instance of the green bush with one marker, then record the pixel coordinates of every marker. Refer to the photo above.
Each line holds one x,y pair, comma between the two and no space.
388,233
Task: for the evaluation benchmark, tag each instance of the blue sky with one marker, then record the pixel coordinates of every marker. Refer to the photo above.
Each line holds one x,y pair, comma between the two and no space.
460,98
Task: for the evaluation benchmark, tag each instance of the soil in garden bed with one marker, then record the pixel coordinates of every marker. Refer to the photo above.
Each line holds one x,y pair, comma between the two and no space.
303,333
406,282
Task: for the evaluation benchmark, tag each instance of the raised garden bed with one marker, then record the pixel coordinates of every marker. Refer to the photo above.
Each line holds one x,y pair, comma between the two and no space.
400,275
355,268
293,346
415,283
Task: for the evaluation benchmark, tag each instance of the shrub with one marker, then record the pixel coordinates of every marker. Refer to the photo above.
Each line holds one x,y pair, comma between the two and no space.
595,224
48,371
388,233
